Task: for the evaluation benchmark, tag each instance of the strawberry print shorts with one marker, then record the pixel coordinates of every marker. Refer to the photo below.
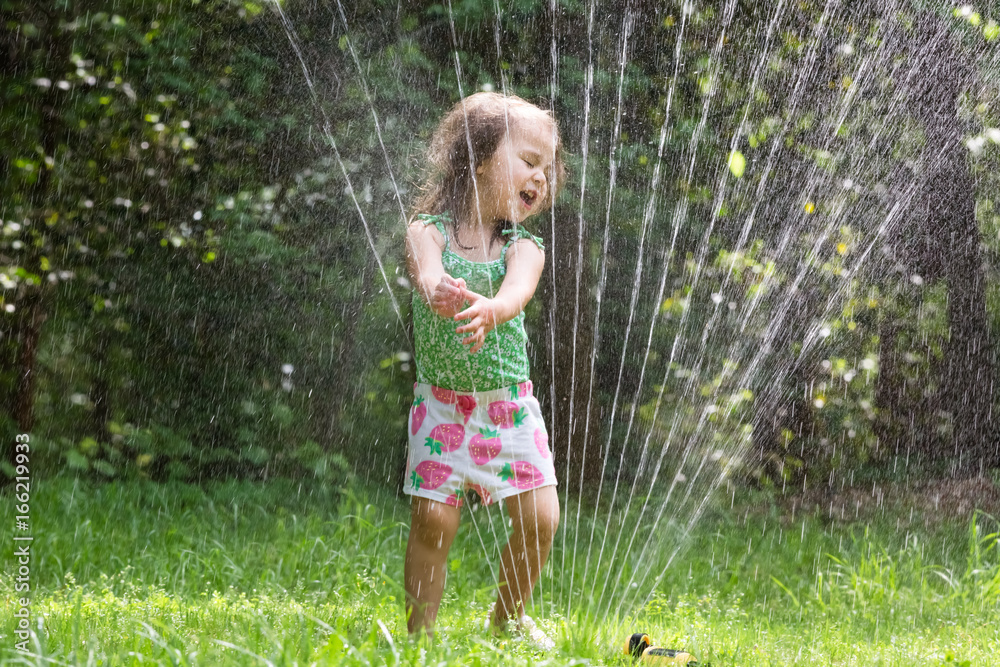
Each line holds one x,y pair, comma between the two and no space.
492,442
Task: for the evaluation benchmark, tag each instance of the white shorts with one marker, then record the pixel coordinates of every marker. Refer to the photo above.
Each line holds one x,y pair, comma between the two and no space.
493,442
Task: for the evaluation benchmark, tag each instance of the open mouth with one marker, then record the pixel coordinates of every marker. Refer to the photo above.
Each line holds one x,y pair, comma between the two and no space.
528,197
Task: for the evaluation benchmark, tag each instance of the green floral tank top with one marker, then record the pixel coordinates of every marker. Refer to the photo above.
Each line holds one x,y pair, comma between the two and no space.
441,357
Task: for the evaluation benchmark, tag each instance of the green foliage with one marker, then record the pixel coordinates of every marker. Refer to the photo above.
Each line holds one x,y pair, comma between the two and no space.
182,246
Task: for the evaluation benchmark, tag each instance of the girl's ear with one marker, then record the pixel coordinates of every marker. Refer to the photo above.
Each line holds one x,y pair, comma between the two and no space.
480,169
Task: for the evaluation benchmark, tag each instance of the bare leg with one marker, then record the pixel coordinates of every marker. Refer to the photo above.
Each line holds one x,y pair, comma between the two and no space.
535,515
432,530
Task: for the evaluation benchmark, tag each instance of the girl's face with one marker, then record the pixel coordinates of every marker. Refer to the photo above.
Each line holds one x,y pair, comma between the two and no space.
513,183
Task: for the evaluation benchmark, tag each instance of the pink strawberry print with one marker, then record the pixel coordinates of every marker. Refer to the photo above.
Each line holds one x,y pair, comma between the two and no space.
484,447
455,499
465,404
446,396
542,442
445,438
520,390
430,475
522,475
506,414
484,495
417,414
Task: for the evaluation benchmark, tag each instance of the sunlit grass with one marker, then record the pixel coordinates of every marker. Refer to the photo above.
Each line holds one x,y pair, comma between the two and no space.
275,574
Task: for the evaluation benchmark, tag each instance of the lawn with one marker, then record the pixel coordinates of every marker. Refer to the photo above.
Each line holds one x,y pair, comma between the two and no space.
280,573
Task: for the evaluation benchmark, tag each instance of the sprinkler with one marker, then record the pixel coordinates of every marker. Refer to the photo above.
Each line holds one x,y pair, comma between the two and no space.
640,647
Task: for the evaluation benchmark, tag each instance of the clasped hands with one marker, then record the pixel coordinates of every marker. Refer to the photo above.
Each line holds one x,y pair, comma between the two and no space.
448,300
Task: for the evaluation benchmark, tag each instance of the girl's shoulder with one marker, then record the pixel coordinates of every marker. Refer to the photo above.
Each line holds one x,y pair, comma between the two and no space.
421,239
432,218
435,221
519,233
439,220
428,224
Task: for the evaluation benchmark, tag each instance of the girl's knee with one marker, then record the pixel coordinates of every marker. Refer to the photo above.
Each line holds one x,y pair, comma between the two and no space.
433,524
547,522
537,514
547,517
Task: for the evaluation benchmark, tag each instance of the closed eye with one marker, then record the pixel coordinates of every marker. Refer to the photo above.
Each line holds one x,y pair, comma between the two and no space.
528,162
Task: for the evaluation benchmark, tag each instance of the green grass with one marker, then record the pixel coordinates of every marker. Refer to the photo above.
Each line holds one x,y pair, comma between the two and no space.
250,573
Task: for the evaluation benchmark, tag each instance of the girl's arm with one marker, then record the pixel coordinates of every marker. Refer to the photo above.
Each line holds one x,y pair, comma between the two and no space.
442,293
525,261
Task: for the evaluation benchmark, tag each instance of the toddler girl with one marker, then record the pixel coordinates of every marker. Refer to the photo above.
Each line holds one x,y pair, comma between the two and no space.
494,161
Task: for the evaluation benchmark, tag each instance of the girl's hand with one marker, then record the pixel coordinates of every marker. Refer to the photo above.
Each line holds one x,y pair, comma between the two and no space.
449,296
482,316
